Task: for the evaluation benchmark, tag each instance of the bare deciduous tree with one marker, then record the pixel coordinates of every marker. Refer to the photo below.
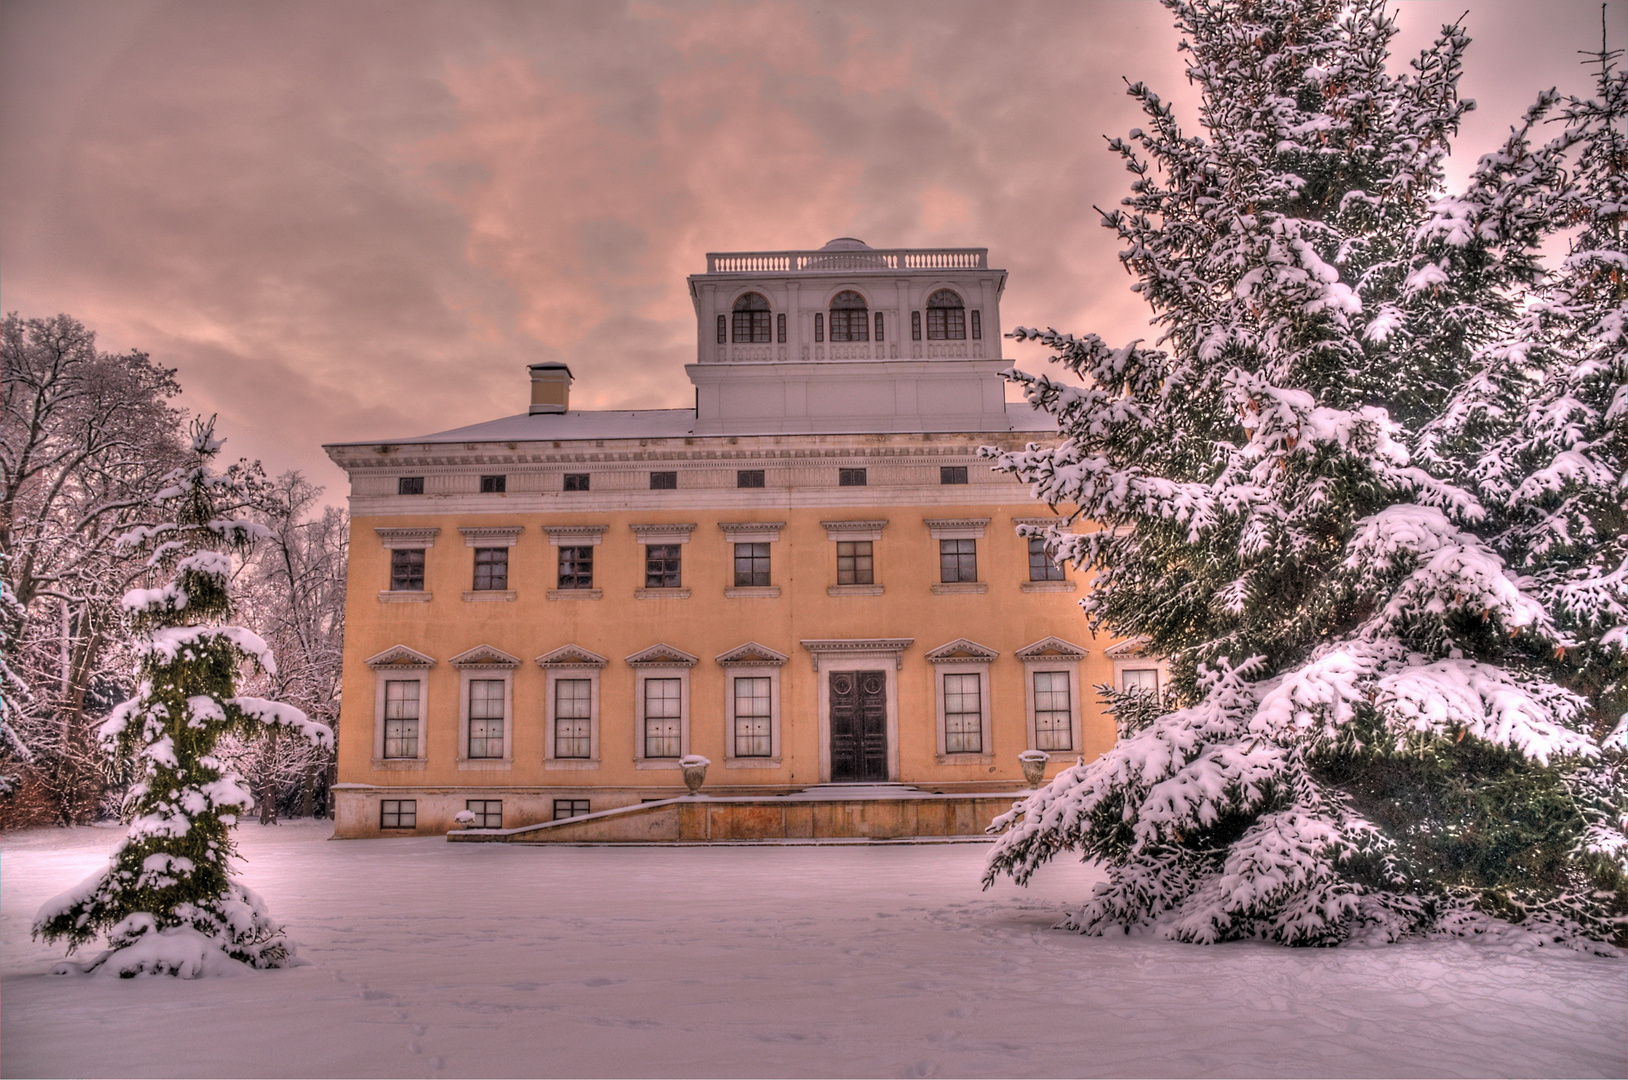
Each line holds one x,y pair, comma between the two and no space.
294,597
85,438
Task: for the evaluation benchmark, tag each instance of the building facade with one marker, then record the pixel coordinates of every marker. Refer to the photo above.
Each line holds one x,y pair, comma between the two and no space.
809,578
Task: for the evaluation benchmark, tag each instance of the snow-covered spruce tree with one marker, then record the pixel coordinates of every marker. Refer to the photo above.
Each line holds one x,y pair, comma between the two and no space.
1540,434
168,901
1371,744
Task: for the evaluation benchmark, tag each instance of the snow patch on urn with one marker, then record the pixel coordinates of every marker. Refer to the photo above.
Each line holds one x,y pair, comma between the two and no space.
695,771
1034,766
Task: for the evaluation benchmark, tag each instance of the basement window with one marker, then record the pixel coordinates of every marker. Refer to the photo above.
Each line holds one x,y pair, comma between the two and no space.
398,813
570,808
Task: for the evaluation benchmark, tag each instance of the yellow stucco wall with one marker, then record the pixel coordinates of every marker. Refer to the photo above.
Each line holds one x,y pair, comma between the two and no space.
1005,618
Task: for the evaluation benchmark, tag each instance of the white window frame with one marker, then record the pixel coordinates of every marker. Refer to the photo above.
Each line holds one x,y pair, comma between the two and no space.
572,536
661,662
1126,669
752,660
864,530
964,657
1131,655
408,539
571,662
400,664
958,529
491,536
662,534
1052,654
1066,583
485,662
751,532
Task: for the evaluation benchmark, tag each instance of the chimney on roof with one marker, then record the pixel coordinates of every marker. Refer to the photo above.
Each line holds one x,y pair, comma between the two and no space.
550,388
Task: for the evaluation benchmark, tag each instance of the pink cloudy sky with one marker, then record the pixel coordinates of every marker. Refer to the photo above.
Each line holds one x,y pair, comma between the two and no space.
358,220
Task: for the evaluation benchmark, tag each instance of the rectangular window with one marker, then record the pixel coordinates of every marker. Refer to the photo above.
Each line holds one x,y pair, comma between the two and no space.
849,324
780,328
407,570
569,808
854,563
661,566
751,327
1053,712
721,329
963,714
410,485
819,326
494,485
488,813
491,569
753,717
398,813
952,474
1140,679
751,565
1041,565
957,560
977,325
485,718
915,326
878,326
749,478
663,481
663,714
576,567
850,477
946,324
573,700
576,481
401,718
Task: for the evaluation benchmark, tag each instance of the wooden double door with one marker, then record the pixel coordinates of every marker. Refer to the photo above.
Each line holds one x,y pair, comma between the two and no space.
858,726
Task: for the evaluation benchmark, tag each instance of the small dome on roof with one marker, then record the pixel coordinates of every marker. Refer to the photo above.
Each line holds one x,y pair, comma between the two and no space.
846,243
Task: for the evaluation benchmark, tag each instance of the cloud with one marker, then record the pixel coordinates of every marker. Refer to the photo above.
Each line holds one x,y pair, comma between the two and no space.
361,220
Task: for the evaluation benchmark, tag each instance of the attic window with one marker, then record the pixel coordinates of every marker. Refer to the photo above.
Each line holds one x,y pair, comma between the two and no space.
663,481
410,485
494,485
576,481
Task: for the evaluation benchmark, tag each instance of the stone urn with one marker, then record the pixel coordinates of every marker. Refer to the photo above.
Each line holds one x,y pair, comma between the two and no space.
1034,766
694,767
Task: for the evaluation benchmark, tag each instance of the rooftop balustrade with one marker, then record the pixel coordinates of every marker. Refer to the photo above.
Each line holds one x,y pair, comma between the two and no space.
825,261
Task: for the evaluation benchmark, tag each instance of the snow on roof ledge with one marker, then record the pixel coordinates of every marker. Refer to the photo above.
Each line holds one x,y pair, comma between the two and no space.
631,424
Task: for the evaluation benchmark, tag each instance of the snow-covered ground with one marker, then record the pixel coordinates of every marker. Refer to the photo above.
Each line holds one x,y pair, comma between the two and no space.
437,959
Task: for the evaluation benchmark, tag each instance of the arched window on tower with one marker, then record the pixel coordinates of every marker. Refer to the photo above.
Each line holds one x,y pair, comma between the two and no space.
751,319
849,320
946,317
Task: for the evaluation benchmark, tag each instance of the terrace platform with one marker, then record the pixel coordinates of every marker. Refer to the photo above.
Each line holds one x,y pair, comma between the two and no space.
827,813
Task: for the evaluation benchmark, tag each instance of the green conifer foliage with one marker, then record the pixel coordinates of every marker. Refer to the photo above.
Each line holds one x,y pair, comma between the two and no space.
169,902
1366,737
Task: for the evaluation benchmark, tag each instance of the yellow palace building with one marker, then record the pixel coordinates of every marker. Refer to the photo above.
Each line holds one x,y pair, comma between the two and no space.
810,578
